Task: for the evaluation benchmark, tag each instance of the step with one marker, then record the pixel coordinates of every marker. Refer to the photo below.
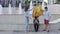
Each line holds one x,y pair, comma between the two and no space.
20,19
16,22
22,27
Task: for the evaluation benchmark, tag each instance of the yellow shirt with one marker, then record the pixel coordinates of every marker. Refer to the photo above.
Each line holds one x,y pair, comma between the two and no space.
37,11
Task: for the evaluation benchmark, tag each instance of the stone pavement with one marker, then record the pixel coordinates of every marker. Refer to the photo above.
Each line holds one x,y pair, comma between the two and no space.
40,32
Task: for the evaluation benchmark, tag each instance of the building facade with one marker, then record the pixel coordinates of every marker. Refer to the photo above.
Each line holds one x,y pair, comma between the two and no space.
15,3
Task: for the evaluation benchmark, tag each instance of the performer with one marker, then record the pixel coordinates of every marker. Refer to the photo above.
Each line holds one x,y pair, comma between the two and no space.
47,17
37,11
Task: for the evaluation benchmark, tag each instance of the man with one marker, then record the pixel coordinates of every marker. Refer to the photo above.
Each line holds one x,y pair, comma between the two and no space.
37,11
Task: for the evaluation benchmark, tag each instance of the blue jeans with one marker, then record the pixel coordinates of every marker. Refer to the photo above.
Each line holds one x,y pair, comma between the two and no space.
27,22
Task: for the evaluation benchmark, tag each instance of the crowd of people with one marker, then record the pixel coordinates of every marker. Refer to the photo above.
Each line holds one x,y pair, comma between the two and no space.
37,12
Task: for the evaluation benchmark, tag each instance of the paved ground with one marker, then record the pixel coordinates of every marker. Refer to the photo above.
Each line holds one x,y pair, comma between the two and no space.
40,32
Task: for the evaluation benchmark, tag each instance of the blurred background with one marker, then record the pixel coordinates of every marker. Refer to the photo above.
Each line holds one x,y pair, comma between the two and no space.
15,3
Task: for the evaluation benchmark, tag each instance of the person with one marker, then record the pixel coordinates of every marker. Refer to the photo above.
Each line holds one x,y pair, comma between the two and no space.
47,17
36,24
37,11
26,14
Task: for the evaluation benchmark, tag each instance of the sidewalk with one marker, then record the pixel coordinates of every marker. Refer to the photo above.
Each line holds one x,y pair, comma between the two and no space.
40,32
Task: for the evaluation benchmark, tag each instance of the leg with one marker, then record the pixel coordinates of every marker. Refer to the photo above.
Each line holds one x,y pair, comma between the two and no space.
35,27
37,24
47,25
27,21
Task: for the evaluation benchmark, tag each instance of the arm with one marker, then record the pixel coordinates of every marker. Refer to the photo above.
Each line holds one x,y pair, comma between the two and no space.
49,15
30,9
30,17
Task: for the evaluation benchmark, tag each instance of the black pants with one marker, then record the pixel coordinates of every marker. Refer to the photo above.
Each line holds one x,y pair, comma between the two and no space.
36,27
36,24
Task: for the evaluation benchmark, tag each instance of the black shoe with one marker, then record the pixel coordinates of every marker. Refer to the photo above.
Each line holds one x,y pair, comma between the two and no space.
48,31
36,30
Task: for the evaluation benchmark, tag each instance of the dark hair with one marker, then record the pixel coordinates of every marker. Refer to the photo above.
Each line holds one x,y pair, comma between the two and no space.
46,8
26,8
34,4
36,17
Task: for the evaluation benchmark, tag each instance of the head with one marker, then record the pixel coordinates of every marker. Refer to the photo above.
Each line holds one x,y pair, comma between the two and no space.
35,17
26,8
34,4
46,8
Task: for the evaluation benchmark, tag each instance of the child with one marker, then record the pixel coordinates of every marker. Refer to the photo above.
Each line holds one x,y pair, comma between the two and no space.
47,17
36,24
37,11
26,14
